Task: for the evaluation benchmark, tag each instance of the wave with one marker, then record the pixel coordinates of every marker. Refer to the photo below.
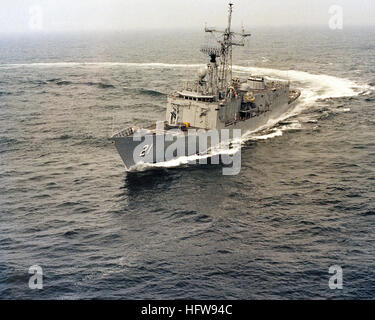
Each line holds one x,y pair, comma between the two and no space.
8,144
81,140
148,92
8,141
60,82
274,133
273,128
101,85
63,83
54,80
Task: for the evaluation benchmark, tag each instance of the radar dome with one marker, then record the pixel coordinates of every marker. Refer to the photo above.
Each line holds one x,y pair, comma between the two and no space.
202,73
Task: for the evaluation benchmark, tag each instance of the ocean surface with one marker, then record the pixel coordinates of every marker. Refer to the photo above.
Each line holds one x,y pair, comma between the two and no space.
303,201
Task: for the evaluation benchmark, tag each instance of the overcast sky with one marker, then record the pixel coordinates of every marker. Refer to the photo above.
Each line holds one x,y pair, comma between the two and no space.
92,15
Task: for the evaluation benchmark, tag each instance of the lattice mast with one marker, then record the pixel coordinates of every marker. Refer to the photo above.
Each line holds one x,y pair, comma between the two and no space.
225,51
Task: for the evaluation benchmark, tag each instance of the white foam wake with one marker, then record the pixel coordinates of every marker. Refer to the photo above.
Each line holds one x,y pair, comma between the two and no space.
314,86
193,159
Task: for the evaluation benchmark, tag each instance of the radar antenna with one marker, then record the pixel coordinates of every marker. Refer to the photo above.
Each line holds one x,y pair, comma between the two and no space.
224,50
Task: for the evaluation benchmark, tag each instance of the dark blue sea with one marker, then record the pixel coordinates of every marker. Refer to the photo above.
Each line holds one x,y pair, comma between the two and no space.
303,201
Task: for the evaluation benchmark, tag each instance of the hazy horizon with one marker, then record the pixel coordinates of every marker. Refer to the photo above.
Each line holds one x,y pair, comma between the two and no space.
51,16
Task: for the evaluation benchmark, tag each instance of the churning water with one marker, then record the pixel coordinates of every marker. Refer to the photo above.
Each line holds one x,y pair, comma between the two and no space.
303,201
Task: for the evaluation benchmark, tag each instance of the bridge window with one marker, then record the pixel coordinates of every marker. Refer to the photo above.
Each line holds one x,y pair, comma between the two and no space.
198,99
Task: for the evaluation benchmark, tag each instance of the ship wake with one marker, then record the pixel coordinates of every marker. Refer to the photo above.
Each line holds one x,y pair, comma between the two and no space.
314,88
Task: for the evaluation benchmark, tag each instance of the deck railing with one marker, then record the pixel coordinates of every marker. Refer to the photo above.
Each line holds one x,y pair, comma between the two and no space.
124,133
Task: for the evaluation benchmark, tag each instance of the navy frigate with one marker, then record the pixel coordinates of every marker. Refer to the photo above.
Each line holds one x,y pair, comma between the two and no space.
214,101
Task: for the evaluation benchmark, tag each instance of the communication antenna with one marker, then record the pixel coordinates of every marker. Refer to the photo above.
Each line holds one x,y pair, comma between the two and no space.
224,50
113,124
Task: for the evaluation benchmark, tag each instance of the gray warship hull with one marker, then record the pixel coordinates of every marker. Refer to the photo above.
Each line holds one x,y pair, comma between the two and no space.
131,148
